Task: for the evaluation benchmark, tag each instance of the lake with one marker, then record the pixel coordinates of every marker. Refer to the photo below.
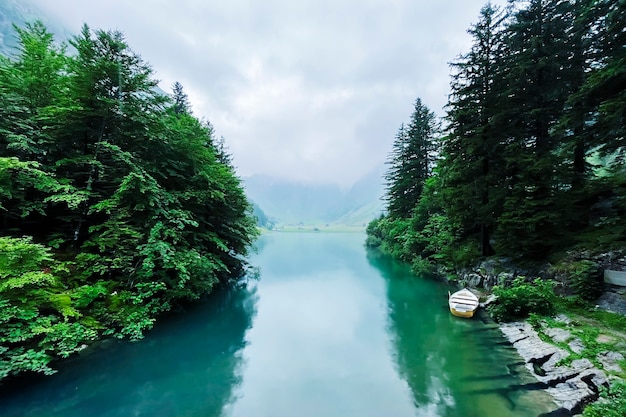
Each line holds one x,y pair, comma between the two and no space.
329,329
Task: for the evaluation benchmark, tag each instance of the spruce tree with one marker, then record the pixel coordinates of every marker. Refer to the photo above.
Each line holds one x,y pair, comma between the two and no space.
605,87
471,150
180,99
537,64
411,161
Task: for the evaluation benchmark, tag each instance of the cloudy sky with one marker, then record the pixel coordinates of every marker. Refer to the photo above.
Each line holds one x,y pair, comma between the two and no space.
310,90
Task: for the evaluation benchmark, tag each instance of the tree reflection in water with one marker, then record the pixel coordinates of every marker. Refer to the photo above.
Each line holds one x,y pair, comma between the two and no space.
453,367
190,365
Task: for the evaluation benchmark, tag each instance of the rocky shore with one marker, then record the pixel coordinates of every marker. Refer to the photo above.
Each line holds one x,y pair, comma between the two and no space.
572,385
572,374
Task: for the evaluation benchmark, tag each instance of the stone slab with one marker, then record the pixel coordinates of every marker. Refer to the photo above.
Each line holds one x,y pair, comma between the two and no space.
615,277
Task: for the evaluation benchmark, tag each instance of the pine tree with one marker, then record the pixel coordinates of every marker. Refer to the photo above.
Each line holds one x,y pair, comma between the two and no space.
471,150
411,161
535,89
181,101
605,86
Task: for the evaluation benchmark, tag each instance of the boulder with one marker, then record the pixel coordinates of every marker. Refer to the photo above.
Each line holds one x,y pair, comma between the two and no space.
474,280
504,277
612,301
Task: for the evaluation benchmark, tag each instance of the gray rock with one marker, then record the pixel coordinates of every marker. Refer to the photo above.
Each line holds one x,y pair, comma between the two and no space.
609,361
489,281
612,301
563,319
576,345
570,394
558,335
490,300
504,277
474,280
570,386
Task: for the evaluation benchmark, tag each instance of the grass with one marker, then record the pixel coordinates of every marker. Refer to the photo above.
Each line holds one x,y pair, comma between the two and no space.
599,331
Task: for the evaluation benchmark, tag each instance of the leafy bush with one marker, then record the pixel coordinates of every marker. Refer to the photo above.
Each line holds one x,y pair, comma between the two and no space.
585,279
422,267
522,298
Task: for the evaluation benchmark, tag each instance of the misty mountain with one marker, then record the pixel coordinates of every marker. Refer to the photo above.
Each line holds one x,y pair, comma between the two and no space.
19,12
277,200
13,12
292,203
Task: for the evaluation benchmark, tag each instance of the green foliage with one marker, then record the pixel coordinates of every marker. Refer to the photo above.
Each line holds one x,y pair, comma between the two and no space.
522,298
138,199
411,161
612,403
584,278
532,159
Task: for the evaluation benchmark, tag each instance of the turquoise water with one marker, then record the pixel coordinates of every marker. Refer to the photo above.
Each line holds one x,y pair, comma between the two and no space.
329,329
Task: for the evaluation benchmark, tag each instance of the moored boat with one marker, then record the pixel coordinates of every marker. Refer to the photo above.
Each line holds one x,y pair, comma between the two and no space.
463,303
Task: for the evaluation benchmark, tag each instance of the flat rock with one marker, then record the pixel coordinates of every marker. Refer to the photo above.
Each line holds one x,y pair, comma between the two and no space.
558,335
528,344
605,338
563,318
610,361
570,386
576,345
490,300
570,394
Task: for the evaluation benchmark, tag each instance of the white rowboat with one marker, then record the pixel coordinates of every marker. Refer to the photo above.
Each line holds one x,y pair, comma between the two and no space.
463,303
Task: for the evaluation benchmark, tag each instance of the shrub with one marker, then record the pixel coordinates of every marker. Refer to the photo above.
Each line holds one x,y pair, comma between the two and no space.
422,267
522,298
585,279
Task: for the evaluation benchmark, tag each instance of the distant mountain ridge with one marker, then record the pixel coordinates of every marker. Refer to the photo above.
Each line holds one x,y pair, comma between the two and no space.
278,201
13,12
19,12
289,202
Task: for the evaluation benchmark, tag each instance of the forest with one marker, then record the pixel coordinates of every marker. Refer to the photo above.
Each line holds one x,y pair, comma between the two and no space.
117,204
526,170
528,162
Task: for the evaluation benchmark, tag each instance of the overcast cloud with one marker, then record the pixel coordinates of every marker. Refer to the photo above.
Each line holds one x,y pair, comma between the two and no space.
310,90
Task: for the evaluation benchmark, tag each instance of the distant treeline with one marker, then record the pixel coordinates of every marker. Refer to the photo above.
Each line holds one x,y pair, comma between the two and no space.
116,203
530,160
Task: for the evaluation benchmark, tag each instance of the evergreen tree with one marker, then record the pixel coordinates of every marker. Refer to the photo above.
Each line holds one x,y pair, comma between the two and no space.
471,163
577,113
534,85
181,101
411,161
605,87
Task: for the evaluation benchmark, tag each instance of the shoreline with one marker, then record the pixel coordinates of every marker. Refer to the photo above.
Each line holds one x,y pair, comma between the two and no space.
570,386
554,353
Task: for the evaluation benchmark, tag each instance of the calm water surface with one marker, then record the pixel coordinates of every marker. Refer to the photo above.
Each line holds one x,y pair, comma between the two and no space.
329,330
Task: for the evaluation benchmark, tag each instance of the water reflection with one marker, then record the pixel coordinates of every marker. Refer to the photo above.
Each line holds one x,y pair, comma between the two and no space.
189,365
327,331
319,345
421,348
454,367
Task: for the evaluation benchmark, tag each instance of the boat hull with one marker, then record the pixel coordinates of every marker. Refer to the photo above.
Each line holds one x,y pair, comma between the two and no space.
463,314
463,304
